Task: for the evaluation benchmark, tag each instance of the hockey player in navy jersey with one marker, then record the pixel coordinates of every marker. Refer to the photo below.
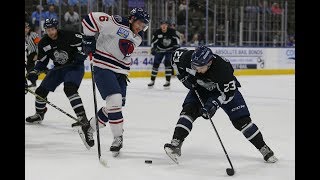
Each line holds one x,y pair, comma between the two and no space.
64,49
164,42
212,76
117,37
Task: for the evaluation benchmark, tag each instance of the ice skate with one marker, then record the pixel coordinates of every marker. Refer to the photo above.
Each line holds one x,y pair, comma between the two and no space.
37,118
268,154
151,84
116,146
173,150
85,131
86,135
167,85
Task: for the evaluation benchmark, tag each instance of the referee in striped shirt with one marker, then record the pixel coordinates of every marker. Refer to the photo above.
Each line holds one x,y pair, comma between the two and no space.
32,39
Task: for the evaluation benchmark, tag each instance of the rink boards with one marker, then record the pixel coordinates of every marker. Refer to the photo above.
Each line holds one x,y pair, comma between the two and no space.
245,61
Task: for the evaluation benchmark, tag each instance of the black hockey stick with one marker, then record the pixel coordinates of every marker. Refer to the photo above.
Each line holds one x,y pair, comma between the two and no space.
230,171
103,162
56,107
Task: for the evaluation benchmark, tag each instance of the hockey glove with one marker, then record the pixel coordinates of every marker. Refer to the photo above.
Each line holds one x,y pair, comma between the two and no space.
189,81
33,75
88,44
209,109
153,51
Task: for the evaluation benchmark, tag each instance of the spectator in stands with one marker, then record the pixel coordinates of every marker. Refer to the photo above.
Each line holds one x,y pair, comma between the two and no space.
264,7
252,9
183,39
183,5
195,40
72,2
35,18
53,2
51,14
275,9
72,20
292,41
181,15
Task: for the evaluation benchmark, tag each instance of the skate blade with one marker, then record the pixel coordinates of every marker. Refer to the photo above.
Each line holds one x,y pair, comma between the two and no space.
171,156
81,134
35,122
115,153
166,88
272,159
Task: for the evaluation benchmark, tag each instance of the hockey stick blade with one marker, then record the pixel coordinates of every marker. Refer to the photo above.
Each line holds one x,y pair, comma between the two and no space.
103,162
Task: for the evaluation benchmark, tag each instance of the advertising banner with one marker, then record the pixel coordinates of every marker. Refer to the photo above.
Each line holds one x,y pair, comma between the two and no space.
240,58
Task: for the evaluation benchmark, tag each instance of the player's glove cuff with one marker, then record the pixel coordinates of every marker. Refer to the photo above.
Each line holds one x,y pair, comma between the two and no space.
88,44
33,75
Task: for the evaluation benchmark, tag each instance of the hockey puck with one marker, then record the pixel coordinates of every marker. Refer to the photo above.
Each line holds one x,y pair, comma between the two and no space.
148,161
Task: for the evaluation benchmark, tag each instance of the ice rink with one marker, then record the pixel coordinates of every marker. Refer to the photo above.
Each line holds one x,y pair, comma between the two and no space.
53,151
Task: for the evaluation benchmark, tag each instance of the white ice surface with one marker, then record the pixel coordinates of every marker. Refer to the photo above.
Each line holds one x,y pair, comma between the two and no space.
53,151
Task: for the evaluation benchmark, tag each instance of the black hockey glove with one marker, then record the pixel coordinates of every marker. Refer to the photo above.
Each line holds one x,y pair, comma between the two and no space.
189,81
88,44
153,51
209,109
33,75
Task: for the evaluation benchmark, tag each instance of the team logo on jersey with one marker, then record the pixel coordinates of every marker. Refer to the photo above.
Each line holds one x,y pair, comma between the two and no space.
123,32
166,42
118,18
126,47
60,56
47,48
208,85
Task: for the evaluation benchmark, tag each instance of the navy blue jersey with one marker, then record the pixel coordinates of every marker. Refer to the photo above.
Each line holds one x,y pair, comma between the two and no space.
66,49
219,80
164,42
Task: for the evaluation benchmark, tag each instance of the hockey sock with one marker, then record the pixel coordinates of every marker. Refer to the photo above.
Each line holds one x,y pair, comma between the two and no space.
154,73
168,72
40,105
253,134
183,127
77,105
116,121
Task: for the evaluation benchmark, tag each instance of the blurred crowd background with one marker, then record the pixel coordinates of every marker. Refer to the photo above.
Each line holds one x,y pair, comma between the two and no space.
262,23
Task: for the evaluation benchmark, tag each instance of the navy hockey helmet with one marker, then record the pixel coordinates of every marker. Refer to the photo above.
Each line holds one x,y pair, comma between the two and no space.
140,14
201,56
49,23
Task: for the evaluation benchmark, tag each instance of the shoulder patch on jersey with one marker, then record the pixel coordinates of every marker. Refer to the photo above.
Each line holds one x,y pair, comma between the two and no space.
118,18
124,33
47,48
